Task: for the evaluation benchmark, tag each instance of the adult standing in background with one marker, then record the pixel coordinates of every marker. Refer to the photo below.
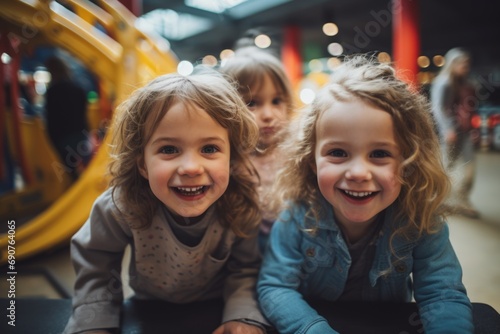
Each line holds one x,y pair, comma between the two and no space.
66,115
453,104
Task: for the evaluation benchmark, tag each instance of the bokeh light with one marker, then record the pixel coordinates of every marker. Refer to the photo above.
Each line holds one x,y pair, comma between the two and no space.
330,29
185,67
315,65
262,41
333,62
384,57
335,49
423,61
226,53
209,60
438,60
307,95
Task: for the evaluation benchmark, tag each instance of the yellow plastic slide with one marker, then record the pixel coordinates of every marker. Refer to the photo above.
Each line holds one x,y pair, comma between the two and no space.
122,57
50,178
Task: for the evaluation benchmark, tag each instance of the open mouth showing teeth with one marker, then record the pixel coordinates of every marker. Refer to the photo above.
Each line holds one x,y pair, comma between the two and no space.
190,191
359,194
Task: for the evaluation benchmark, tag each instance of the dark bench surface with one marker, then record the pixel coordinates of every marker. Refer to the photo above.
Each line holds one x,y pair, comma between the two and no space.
49,316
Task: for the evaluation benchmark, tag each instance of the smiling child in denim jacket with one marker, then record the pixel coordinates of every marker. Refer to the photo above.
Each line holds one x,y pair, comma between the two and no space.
363,220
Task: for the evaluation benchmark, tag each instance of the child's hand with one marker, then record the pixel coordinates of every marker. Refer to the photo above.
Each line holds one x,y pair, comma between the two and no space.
236,327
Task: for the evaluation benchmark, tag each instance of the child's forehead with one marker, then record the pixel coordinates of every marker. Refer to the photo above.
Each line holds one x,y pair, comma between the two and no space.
165,109
188,108
354,108
356,122
185,113
260,79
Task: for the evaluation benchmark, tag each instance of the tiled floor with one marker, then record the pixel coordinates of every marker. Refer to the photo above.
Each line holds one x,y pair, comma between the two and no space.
477,243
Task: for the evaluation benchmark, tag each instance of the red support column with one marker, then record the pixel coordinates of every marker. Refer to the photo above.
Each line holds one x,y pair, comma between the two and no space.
291,55
406,38
135,6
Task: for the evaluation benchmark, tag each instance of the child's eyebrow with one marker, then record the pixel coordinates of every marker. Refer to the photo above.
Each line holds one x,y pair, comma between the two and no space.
385,143
213,139
377,144
179,140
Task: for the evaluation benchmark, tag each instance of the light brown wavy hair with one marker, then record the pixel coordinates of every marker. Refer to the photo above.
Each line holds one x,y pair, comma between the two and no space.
137,118
250,65
425,184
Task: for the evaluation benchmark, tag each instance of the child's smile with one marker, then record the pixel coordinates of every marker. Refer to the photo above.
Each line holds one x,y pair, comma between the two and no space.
190,193
359,196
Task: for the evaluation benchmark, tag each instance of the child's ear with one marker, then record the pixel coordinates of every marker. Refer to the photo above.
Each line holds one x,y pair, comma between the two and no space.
142,168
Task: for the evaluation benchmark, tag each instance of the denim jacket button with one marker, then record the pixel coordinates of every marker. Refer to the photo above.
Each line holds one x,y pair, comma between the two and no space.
310,252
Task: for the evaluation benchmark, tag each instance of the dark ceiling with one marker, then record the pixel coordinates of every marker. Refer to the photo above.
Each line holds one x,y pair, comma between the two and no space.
443,24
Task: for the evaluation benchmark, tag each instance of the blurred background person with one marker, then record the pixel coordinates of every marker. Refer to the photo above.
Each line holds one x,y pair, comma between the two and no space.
266,90
66,116
453,104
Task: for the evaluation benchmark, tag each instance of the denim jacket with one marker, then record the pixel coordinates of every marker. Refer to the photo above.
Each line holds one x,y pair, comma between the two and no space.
299,265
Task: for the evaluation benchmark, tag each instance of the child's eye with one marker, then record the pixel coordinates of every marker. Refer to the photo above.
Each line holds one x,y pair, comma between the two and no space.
251,104
210,149
380,154
338,153
277,101
168,150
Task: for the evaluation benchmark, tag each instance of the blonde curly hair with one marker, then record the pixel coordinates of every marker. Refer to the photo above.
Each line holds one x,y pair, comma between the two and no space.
425,184
136,120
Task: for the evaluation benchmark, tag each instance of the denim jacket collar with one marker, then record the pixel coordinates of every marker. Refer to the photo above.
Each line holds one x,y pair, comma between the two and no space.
384,258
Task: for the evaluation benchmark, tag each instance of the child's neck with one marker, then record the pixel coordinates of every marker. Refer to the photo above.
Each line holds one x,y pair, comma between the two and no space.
187,221
354,233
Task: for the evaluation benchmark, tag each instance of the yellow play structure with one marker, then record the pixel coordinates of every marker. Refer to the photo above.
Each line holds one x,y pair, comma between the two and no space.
102,35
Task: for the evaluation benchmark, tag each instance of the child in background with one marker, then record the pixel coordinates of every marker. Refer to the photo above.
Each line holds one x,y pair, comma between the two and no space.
182,195
266,89
364,183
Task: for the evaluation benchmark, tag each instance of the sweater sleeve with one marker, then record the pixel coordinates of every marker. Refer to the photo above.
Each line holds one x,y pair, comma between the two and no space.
97,251
440,295
279,281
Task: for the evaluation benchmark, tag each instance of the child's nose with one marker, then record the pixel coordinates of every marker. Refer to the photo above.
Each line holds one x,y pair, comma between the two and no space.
359,170
190,165
267,111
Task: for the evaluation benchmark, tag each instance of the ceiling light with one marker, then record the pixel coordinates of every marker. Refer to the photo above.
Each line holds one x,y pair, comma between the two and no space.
262,41
214,6
209,60
185,67
423,61
173,25
330,29
226,53
384,57
438,60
